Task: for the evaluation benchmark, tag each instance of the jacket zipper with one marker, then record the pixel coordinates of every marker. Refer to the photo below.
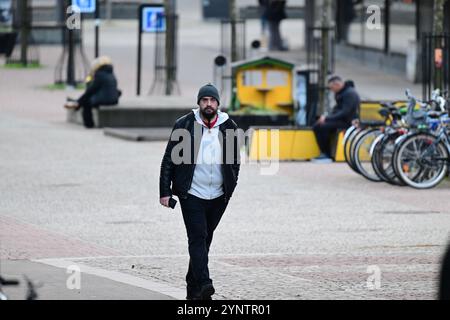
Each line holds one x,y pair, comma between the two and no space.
190,182
224,184
192,174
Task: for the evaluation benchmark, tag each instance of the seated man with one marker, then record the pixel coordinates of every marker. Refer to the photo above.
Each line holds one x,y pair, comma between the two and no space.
341,117
101,89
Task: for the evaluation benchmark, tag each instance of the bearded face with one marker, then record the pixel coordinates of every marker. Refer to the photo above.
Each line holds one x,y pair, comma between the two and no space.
208,107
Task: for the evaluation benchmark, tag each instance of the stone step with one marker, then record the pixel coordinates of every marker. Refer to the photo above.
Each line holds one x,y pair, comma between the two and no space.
139,134
157,111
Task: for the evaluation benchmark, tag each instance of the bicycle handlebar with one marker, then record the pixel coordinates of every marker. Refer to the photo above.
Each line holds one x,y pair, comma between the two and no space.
436,97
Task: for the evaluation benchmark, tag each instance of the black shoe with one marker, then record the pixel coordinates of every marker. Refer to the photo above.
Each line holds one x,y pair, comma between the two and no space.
207,291
192,296
192,293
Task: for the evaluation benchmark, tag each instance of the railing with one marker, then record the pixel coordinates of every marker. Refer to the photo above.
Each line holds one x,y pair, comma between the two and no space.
435,63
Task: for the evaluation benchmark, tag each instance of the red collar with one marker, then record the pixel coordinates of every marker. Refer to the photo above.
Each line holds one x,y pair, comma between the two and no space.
212,123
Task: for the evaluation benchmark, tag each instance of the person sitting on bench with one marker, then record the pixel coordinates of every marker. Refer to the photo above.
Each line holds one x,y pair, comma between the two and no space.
341,117
101,89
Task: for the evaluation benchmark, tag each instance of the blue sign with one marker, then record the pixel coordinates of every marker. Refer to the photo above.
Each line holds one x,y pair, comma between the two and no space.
153,19
85,6
5,13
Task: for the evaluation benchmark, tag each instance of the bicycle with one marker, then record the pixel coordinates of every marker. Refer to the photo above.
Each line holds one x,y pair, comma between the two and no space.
421,159
358,142
383,147
369,148
414,167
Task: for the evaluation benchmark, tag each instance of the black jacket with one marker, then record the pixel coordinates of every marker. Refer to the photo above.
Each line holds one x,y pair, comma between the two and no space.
102,90
180,175
347,105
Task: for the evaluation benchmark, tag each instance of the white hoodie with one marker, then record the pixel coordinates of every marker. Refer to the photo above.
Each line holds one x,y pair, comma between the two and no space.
207,180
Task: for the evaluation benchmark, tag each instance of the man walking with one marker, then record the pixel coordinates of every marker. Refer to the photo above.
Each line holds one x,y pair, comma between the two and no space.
203,179
341,117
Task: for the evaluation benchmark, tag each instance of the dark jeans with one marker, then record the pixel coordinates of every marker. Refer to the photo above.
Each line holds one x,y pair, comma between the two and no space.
201,218
324,132
88,120
87,105
275,41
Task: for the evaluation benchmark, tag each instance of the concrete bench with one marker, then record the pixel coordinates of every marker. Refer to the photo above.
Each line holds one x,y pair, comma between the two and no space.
154,111
293,144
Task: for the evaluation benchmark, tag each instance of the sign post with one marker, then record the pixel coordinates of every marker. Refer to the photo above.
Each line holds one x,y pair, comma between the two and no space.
97,26
90,6
151,20
85,6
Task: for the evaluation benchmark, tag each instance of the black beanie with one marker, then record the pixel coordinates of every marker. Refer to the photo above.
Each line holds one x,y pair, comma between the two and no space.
208,90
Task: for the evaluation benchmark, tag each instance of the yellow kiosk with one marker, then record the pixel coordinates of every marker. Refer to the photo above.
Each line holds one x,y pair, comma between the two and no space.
266,84
263,83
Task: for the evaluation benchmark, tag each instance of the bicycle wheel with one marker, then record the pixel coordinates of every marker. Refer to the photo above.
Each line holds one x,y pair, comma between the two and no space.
375,154
422,161
347,133
348,137
362,157
384,160
352,145
397,143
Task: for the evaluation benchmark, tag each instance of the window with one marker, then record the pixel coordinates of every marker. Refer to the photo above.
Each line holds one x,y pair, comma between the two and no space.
363,23
276,78
252,78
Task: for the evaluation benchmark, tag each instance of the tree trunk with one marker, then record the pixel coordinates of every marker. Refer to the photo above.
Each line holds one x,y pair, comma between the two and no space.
324,58
25,23
234,54
170,45
438,14
438,30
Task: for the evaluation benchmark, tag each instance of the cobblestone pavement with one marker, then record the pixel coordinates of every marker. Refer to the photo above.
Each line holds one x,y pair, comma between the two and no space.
405,274
307,232
23,91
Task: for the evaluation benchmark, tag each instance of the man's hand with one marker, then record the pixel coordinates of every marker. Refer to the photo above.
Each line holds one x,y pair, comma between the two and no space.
164,201
321,119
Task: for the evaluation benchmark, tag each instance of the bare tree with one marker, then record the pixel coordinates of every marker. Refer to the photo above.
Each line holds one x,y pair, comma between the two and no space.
324,56
25,22
170,8
233,30
438,13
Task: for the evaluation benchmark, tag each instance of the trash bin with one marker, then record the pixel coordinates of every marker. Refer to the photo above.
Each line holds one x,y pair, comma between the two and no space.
7,42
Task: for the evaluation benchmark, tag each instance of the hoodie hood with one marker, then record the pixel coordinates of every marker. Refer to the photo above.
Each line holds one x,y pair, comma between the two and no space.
222,117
